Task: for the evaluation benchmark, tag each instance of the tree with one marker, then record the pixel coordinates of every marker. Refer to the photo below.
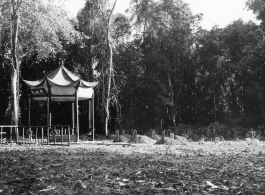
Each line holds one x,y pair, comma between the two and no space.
33,27
111,71
166,30
101,13
89,24
229,71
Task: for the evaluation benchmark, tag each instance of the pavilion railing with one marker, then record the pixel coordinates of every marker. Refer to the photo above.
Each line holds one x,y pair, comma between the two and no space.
44,135
7,130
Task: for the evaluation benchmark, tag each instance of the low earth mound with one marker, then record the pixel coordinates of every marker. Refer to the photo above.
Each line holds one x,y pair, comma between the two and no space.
181,139
169,141
143,139
97,137
123,138
158,137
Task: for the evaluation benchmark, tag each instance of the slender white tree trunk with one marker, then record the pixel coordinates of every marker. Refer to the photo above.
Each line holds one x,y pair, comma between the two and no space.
15,64
108,92
110,72
173,113
15,97
1,22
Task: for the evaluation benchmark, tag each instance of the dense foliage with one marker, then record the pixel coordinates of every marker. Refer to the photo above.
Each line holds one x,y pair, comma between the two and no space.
167,69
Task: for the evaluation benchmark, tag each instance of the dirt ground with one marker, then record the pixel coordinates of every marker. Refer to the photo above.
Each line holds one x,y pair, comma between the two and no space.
104,167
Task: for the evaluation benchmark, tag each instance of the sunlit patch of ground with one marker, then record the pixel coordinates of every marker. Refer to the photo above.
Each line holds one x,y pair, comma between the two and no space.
225,167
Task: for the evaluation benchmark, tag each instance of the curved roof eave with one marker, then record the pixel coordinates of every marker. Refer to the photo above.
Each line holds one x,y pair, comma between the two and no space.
61,77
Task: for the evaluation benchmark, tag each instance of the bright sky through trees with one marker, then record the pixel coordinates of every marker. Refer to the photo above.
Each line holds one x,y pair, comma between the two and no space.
219,12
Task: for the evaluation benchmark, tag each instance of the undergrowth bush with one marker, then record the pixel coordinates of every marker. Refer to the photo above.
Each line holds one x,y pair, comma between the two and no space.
253,134
229,130
214,130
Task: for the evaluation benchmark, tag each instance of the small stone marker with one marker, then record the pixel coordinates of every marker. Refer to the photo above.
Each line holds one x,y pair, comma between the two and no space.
131,132
123,132
169,132
163,136
135,139
150,133
117,133
153,134
172,135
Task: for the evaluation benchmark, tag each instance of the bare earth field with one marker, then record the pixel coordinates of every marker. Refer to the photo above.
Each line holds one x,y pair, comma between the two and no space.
235,167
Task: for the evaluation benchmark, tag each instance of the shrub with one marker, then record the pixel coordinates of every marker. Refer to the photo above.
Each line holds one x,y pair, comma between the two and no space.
253,134
216,129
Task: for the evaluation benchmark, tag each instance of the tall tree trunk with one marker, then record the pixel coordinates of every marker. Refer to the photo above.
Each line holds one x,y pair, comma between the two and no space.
89,64
110,72
15,97
183,109
243,100
15,63
108,87
214,104
172,105
1,22
263,90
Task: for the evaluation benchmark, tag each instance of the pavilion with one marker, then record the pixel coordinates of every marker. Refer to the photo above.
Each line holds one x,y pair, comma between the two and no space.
63,86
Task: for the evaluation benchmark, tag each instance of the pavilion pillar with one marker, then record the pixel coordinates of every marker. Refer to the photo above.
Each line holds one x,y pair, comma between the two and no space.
76,112
93,117
48,111
73,115
89,115
50,114
49,100
29,111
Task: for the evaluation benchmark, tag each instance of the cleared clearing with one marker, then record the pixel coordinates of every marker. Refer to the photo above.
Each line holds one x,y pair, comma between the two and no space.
235,167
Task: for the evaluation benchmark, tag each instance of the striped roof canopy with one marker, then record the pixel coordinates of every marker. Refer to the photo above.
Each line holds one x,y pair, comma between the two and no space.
61,85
